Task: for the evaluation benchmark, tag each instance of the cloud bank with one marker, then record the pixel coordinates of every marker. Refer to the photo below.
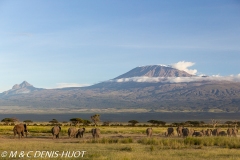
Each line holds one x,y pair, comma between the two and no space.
232,78
184,66
66,85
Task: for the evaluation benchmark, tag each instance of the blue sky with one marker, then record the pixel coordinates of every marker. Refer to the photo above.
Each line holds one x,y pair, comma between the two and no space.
59,42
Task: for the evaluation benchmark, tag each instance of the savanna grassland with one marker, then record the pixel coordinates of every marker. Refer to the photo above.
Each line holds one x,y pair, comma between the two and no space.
118,143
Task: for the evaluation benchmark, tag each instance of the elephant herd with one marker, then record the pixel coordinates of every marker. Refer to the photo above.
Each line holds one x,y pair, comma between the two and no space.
185,132
73,132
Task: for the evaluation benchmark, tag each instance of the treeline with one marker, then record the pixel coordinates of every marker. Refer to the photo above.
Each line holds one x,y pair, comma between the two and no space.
95,120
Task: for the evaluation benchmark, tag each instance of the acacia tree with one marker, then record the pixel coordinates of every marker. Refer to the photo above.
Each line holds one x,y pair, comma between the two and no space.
133,122
228,123
96,119
54,121
178,124
86,122
153,122
232,123
28,121
106,123
195,123
156,122
162,123
214,122
76,121
9,120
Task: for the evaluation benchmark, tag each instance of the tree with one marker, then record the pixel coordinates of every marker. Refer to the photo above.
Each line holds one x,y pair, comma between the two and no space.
96,119
76,121
86,122
54,121
133,122
162,123
106,123
28,121
195,123
9,120
152,122
214,122
232,123
229,122
156,122
177,124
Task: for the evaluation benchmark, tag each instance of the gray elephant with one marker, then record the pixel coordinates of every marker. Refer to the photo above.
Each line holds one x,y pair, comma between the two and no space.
216,132
197,133
179,131
203,132
95,132
232,132
170,132
229,132
20,129
235,132
72,132
149,132
208,132
222,133
80,132
187,132
55,131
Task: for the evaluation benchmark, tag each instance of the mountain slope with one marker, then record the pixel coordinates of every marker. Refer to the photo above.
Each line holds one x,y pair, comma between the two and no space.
194,96
204,95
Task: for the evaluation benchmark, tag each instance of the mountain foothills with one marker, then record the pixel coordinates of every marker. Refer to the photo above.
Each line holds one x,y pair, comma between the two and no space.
155,88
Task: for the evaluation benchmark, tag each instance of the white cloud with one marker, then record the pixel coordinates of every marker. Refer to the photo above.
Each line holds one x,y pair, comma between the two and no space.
232,78
66,85
183,66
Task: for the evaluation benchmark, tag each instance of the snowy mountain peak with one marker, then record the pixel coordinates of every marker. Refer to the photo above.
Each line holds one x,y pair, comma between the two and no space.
154,71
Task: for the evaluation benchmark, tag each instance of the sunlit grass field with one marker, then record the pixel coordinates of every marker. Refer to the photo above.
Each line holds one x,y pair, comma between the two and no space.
120,143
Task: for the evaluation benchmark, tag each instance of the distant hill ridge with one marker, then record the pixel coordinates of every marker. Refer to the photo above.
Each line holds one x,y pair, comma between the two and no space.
204,95
22,88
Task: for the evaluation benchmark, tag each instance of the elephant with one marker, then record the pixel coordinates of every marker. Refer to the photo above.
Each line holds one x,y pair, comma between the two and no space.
170,132
55,131
20,129
229,132
80,132
95,132
203,132
232,132
208,132
216,131
187,132
179,131
149,132
222,133
235,132
72,132
198,134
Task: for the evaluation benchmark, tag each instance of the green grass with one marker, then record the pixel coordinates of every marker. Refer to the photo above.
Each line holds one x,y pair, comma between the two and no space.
122,143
